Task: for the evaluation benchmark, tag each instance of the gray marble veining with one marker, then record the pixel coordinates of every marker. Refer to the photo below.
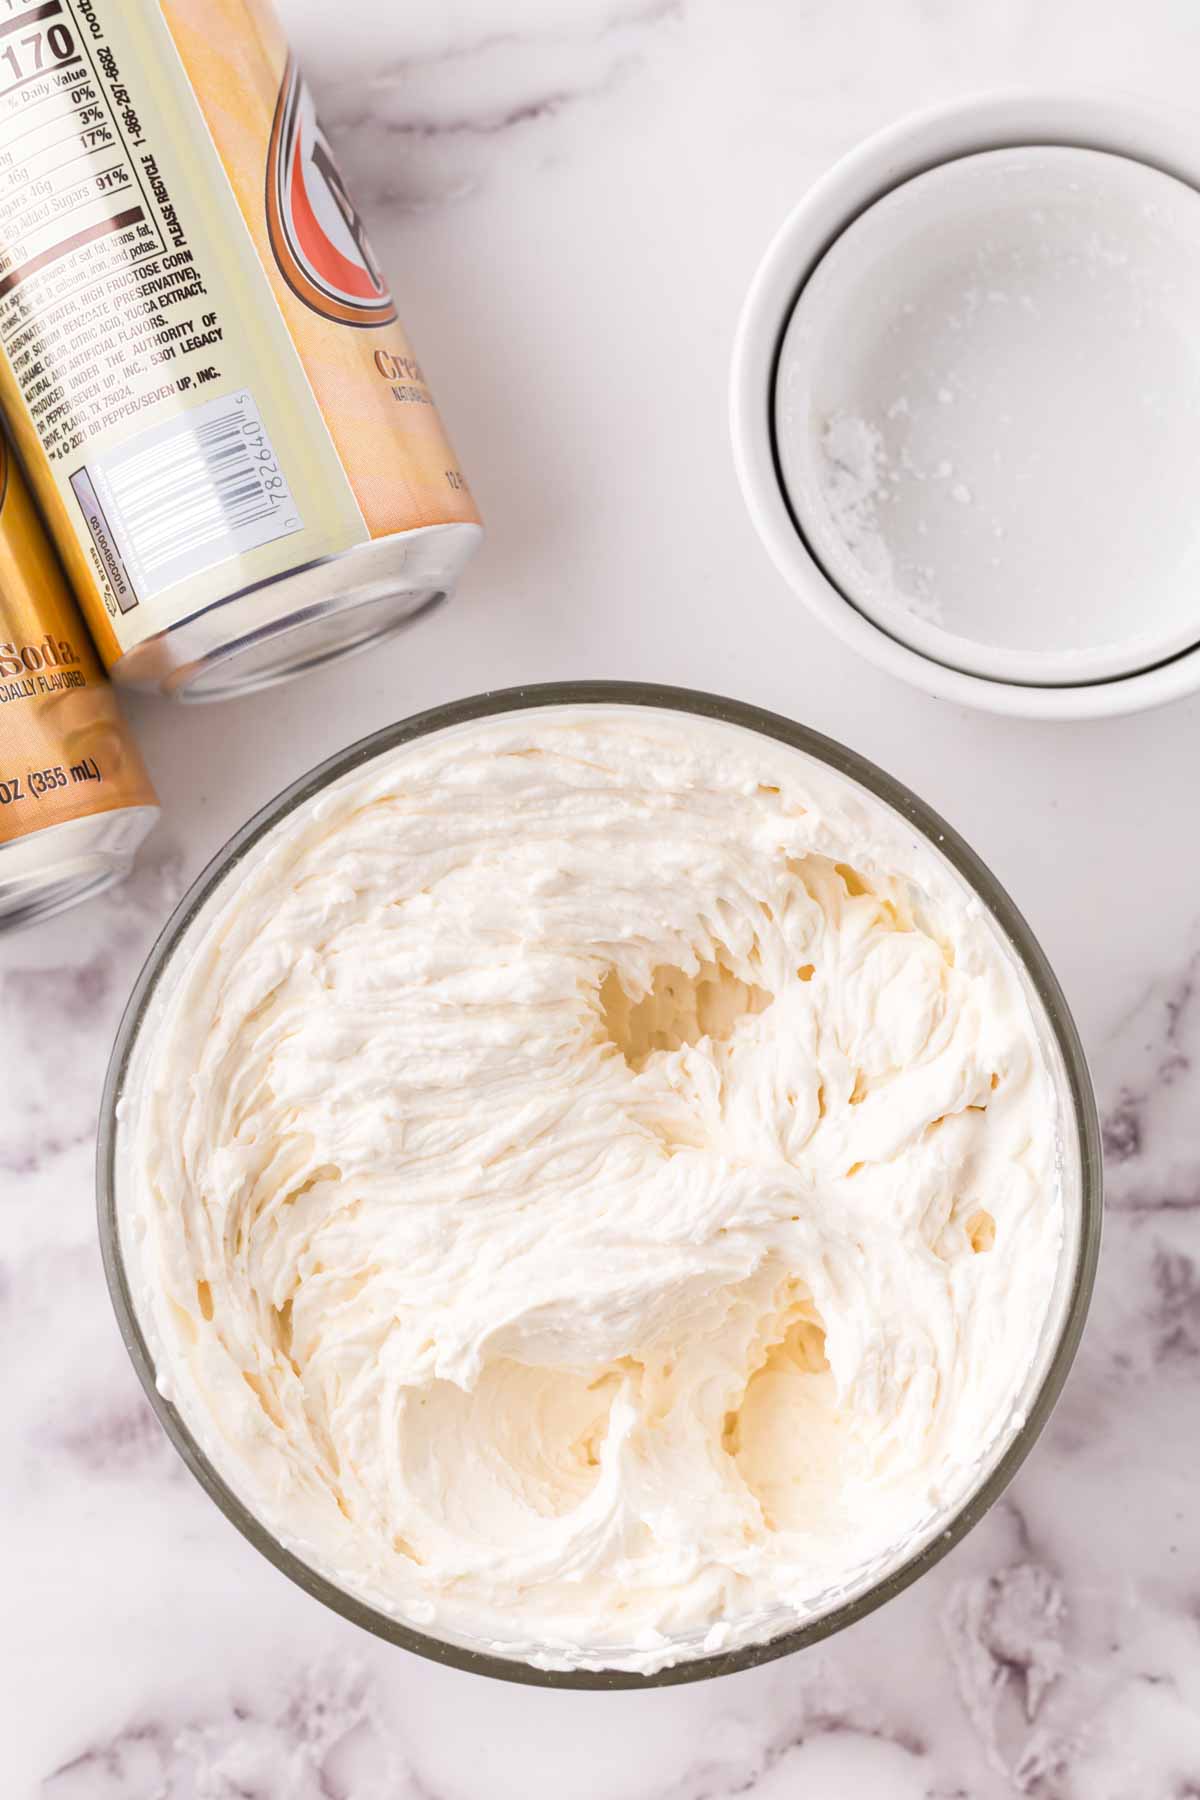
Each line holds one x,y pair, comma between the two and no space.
571,201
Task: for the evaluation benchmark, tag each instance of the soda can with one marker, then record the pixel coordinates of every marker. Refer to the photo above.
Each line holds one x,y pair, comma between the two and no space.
231,439
75,798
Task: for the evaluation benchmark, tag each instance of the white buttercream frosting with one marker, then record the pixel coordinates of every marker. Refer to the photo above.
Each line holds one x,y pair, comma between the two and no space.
591,1184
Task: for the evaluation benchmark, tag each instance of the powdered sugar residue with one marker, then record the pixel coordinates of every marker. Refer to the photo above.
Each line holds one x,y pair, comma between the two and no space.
857,477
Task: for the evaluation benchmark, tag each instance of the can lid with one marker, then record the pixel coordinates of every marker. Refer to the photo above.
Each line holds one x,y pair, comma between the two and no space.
987,414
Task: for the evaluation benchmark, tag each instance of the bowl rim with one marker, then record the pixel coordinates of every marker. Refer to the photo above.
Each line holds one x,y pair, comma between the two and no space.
1120,125
1013,929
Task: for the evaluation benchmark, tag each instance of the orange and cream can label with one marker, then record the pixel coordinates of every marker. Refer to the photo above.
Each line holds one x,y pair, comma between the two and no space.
65,751
199,358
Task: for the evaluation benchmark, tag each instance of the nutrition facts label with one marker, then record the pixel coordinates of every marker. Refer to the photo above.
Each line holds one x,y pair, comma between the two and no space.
91,247
123,258
69,175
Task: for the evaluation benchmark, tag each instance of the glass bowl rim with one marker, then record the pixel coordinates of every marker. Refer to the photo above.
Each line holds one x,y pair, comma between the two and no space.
1013,928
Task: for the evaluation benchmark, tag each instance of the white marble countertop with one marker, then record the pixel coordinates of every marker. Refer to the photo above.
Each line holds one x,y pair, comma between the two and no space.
570,199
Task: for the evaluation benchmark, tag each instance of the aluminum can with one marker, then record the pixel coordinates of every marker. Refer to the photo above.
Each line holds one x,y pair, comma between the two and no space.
231,439
75,798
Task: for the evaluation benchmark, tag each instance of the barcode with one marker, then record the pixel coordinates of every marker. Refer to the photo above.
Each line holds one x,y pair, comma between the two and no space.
193,492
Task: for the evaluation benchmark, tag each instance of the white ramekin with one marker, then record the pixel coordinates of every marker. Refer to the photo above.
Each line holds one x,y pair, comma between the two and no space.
1166,140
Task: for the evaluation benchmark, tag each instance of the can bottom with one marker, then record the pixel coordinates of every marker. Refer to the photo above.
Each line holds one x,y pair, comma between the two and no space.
292,648
47,871
314,615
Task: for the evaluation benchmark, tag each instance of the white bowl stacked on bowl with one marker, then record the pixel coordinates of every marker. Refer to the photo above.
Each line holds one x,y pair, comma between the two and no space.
966,404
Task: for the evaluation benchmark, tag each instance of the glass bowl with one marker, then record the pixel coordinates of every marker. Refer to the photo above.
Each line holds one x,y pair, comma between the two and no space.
1080,1164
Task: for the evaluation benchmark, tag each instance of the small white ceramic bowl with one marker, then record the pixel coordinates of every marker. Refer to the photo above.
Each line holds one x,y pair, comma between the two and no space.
1058,622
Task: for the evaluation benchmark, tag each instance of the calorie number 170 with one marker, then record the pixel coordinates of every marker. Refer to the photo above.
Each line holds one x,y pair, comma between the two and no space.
56,39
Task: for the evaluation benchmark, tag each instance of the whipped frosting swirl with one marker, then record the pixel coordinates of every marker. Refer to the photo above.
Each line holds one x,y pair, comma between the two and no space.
593,1182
